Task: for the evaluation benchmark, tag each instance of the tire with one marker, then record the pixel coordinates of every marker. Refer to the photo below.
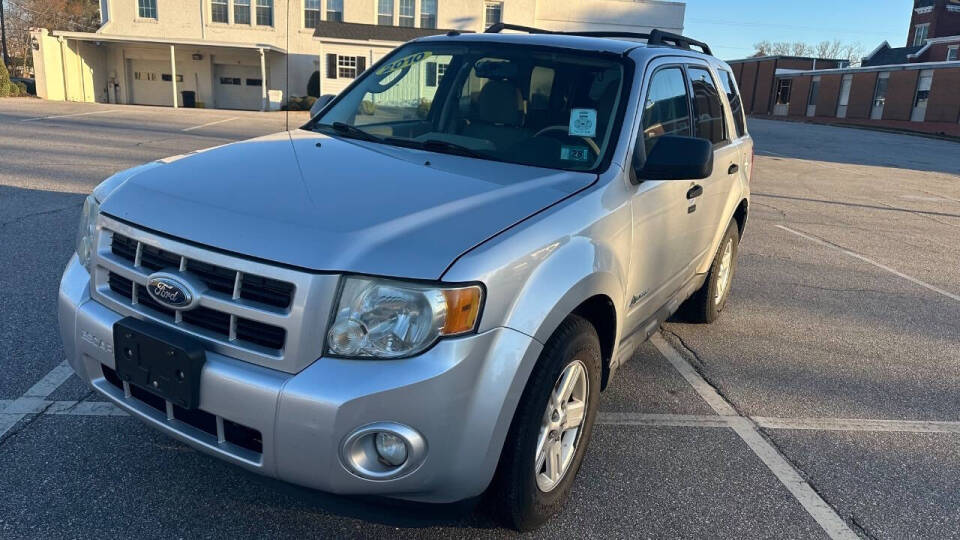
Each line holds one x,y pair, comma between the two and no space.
518,489
705,306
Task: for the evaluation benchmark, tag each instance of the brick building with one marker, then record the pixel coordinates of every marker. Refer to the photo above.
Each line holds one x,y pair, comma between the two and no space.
916,87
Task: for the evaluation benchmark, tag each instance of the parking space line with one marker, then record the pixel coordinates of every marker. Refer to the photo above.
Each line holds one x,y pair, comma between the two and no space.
831,522
661,420
856,424
881,266
715,400
68,115
210,123
34,397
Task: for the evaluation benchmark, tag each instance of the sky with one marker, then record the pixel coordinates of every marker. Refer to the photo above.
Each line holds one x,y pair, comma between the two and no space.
731,27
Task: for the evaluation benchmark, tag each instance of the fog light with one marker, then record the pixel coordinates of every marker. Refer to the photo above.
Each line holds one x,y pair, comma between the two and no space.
383,451
391,449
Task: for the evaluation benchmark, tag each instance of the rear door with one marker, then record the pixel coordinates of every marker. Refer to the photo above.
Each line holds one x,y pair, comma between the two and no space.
710,122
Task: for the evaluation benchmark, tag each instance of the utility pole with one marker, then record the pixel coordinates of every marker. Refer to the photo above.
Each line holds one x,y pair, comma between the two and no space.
3,37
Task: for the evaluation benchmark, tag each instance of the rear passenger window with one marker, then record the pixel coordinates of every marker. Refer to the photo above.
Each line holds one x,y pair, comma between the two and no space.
736,104
707,108
666,110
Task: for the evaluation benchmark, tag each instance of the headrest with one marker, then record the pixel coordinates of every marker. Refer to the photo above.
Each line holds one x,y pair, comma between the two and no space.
500,102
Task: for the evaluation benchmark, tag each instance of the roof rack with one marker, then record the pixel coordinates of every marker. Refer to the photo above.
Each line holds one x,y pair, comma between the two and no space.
655,37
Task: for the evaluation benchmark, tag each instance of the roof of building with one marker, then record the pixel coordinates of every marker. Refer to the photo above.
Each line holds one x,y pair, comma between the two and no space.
886,56
373,32
98,37
786,57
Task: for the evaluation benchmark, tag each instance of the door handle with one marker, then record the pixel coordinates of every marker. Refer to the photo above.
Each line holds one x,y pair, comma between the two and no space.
734,168
695,192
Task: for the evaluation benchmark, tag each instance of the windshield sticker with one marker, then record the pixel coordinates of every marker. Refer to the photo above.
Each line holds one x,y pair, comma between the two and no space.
574,153
583,122
403,63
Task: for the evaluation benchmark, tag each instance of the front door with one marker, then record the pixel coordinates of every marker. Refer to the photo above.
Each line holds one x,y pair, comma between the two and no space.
662,230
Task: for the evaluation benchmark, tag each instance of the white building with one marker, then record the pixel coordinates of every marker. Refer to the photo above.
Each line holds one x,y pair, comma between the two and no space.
235,54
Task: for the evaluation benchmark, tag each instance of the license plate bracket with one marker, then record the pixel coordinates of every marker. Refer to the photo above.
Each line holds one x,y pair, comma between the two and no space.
160,360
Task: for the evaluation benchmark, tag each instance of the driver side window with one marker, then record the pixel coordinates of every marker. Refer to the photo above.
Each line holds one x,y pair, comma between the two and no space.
666,111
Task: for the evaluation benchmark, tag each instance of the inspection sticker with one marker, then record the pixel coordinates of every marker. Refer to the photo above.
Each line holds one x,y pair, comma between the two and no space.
583,122
574,153
403,63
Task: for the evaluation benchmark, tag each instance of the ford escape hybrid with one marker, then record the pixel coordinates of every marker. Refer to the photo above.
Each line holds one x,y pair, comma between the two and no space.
421,293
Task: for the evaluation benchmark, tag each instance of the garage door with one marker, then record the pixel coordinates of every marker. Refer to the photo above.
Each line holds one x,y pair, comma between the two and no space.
237,87
150,82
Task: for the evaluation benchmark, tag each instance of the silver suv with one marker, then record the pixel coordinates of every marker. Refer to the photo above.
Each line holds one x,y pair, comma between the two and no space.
422,292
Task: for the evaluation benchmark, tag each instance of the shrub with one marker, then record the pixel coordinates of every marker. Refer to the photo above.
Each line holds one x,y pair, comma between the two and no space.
313,85
307,102
23,89
368,107
423,109
4,81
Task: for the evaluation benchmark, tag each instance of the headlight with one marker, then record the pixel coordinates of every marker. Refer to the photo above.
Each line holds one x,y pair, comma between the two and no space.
87,231
379,318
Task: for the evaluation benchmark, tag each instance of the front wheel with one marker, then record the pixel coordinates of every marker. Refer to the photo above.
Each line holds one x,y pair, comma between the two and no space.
551,428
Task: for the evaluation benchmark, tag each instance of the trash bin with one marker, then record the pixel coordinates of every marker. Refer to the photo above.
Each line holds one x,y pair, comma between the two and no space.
189,98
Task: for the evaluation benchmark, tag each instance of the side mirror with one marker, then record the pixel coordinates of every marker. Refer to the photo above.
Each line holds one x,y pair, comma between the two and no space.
320,104
676,158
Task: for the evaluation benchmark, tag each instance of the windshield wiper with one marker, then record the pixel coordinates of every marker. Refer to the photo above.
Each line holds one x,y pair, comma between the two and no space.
436,145
350,131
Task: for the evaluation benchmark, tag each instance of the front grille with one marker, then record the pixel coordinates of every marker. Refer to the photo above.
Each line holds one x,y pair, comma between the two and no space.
250,310
232,432
217,322
259,289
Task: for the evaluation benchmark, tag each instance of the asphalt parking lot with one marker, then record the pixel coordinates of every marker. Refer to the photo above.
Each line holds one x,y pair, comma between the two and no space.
823,403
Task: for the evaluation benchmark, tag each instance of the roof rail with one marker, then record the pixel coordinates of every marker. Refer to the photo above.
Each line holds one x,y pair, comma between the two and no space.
655,37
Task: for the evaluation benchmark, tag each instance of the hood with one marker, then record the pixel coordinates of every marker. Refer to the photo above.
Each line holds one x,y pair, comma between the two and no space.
328,204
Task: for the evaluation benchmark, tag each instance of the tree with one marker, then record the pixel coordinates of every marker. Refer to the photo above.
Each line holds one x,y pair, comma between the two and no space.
23,15
835,49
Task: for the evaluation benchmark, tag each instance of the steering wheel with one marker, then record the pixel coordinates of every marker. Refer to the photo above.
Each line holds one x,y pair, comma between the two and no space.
564,129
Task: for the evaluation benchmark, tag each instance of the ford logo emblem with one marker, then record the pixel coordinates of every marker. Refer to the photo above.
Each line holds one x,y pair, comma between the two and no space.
171,291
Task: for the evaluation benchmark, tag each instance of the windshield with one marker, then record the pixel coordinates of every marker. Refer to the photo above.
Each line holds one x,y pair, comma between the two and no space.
541,107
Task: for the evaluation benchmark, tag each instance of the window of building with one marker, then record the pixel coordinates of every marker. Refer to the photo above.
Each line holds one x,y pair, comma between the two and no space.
230,80
345,67
923,88
428,14
169,78
406,13
880,94
493,14
920,33
953,53
846,84
144,76
434,73
666,110
736,104
254,82
814,92
147,9
334,10
311,13
241,11
219,11
783,91
709,122
385,12
265,12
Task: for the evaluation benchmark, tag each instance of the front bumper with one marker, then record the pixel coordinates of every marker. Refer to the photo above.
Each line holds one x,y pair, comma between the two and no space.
460,396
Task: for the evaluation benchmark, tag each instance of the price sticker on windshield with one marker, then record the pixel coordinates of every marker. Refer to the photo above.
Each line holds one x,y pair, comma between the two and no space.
583,123
403,63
